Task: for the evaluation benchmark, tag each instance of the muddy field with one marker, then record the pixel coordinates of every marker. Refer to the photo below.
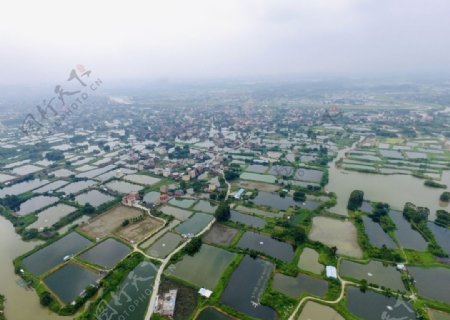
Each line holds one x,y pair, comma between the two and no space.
136,232
110,221
256,185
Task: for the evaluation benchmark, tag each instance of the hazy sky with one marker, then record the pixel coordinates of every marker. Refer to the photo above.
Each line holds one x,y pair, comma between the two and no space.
42,40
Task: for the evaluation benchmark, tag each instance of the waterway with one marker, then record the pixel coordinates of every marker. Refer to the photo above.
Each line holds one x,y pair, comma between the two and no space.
21,303
395,189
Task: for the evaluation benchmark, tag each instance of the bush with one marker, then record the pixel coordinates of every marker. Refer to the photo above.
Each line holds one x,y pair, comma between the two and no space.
356,199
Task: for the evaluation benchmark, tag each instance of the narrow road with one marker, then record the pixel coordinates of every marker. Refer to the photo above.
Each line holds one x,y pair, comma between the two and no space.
166,261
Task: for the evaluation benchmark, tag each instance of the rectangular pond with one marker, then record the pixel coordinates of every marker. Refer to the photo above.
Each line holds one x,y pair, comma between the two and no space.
311,175
35,204
49,216
375,306
258,177
195,224
70,281
376,234
106,254
432,283
182,203
141,179
94,197
205,268
247,220
406,235
267,245
123,187
76,187
22,187
49,257
164,245
205,206
302,284
246,285
374,272
177,213
51,186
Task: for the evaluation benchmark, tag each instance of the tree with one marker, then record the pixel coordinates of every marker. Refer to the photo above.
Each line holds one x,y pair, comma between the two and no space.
88,209
356,199
299,196
299,234
363,286
333,251
55,155
193,246
223,212
46,299
445,196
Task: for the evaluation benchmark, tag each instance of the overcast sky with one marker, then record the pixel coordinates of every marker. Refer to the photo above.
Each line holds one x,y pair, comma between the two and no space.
42,40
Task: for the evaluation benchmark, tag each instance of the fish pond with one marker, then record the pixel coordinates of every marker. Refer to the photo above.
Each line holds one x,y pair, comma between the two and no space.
205,268
94,197
376,234
432,283
106,254
374,272
22,187
205,206
405,234
51,186
123,187
274,200
164,245
141,179
182,203
300,285
195,224
247,220
49,257
177,213
76,187
442,236
210,313
374,306
267,245
49,216
258,177
35,204
137,287
70,281
246,286
339,233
